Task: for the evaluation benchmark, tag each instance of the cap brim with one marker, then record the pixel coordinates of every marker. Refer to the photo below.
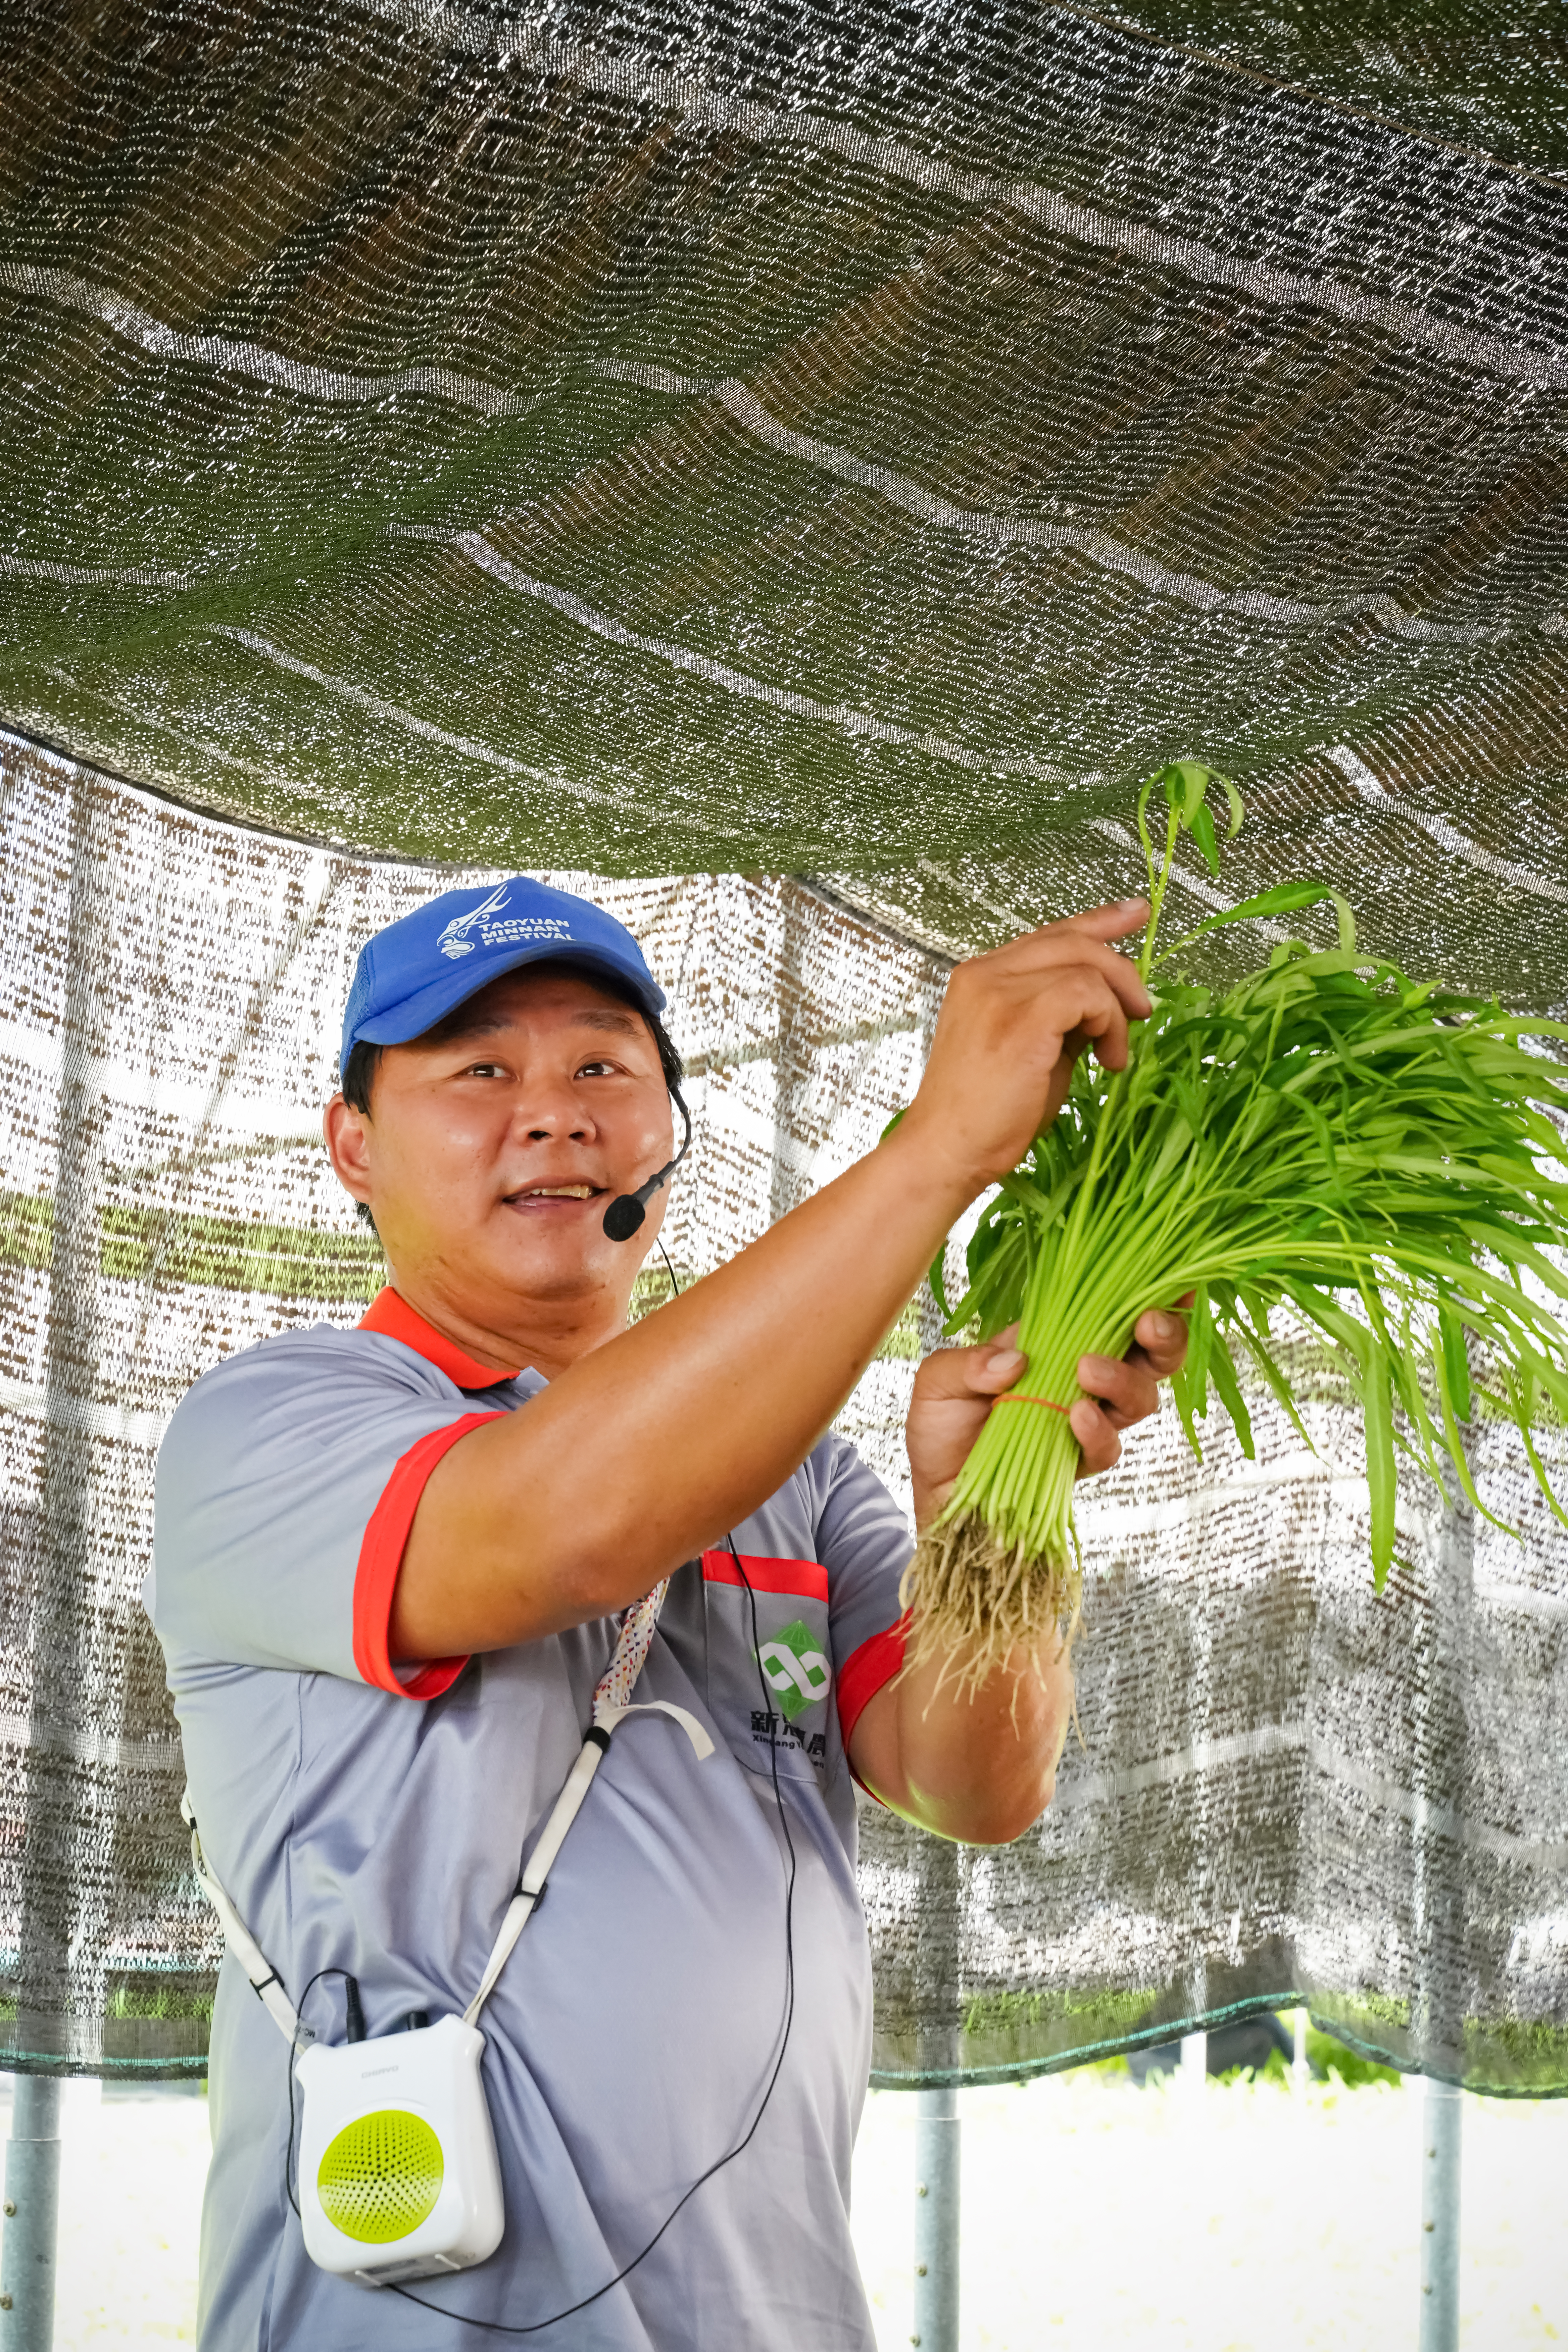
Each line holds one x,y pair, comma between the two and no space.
399,1024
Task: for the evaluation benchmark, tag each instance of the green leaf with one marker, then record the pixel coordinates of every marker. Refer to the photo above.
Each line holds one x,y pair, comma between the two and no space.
1378,1406
1456,1443
1234,797
999,1258
1521,1405
1182,1393
1194,779
1202,829
1200,1343
1431,1444
1281,1387
1228,1387
1456,1361
1177,1143
1286,898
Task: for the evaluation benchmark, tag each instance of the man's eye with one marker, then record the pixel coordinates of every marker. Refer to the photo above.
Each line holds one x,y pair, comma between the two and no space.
595,1069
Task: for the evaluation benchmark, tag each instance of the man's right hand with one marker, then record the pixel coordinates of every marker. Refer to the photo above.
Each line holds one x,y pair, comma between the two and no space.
1012,1025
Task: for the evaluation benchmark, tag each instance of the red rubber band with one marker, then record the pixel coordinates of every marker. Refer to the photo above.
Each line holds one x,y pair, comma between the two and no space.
1014,1397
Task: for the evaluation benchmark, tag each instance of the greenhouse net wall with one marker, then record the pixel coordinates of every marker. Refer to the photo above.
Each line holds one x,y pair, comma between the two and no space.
1285,1787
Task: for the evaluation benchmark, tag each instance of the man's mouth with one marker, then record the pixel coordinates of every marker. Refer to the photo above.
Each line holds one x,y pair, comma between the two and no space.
554,1192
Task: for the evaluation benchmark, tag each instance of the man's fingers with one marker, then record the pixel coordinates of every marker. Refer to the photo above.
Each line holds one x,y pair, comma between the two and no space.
1118,920
1001,1060
1162,1337
1127,1391
1099,1445
996,1365
1062,957
1102,1023
982,1371
1084,1001
1081,941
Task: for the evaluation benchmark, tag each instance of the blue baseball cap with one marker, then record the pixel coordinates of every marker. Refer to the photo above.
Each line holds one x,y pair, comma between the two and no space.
425,965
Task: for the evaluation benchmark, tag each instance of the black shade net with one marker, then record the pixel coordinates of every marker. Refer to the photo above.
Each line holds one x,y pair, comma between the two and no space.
837,440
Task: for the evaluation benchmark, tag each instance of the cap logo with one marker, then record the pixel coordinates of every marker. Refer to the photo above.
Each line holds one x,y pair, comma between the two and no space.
455,940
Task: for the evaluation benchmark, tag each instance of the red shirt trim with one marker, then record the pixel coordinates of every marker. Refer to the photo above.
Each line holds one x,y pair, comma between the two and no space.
393,1316
805,1578
380,1557
864,1672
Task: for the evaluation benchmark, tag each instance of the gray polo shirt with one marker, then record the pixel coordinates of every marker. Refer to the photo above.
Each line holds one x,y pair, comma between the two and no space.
372,1819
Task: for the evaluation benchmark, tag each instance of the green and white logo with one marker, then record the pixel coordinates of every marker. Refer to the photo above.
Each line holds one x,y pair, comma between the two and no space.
796,1669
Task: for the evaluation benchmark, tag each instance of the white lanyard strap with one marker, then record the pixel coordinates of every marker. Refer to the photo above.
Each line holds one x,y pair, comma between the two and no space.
564,1812
265,1982
612,1705
531,1886
616,1684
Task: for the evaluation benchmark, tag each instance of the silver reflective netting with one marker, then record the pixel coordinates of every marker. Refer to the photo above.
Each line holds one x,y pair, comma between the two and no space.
842,443
1285,1784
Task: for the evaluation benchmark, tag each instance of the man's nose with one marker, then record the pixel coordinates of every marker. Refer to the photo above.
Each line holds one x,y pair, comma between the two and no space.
552,1132
546,1113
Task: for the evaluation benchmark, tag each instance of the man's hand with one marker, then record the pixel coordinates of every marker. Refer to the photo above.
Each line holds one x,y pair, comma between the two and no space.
1012,1025
955,1387
980,1765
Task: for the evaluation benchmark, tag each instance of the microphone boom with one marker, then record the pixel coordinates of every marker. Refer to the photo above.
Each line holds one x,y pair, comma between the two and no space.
625,1215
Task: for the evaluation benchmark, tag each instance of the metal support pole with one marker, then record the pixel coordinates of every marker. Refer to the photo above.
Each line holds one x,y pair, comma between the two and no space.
794,1060
938,2203
62,1878
32,2214
936,2219
1441,2133
1195,2064
1439,1889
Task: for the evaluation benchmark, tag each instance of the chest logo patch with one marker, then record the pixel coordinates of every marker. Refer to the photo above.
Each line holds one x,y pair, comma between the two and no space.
795,1668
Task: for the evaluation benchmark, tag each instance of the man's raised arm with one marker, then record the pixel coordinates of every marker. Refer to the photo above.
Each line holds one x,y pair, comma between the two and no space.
644,1452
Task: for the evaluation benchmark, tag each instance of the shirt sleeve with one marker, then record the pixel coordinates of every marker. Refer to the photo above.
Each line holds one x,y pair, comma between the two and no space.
863,1541
287,1483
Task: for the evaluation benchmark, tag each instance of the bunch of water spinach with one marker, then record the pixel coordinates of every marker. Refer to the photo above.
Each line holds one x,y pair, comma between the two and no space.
1373,1153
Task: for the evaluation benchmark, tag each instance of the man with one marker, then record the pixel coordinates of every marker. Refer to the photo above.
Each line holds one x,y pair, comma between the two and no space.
391,1565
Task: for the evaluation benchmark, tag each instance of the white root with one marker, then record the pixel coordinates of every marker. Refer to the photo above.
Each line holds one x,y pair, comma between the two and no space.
976,1603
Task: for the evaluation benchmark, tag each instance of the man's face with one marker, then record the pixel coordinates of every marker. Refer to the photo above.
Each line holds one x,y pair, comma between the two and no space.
496,1143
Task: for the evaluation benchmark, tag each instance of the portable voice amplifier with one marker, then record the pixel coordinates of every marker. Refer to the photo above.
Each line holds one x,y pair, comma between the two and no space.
398,2177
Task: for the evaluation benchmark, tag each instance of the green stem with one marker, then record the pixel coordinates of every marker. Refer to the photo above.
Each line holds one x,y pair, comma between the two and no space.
1157,887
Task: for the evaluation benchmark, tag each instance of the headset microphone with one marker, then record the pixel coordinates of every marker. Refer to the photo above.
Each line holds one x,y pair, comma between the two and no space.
627,1209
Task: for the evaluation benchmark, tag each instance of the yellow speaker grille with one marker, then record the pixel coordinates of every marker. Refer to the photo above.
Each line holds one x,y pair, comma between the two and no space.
381,2176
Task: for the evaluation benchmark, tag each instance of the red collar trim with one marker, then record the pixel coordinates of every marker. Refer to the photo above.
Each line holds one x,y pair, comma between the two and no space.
396,1319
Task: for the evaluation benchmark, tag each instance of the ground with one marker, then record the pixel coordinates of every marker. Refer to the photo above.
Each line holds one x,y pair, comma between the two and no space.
1251,2218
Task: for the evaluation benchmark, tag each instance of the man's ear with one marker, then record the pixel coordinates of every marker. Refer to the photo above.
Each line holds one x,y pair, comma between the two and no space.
348,1146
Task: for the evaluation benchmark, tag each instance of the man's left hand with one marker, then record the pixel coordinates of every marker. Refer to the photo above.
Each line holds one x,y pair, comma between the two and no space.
980,1765
955,1389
